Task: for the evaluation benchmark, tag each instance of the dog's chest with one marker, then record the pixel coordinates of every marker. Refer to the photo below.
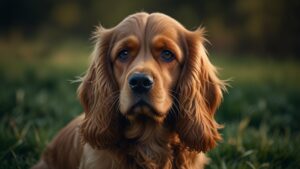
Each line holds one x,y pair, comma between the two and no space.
142,157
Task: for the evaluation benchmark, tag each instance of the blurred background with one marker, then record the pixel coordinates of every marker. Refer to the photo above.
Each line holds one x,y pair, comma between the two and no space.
45,46
246,26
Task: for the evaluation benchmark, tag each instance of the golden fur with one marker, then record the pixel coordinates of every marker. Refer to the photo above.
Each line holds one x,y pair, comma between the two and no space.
174,128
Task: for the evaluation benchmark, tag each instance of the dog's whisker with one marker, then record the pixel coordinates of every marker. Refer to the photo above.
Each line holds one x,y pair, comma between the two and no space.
112,96
111,105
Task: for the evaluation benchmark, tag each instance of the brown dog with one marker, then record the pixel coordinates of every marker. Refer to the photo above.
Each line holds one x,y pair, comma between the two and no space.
149,97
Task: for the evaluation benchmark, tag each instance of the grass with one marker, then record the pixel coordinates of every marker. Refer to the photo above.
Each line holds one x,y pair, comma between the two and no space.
260,111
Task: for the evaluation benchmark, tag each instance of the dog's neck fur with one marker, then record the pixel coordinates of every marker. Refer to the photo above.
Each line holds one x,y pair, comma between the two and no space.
148,142
151,145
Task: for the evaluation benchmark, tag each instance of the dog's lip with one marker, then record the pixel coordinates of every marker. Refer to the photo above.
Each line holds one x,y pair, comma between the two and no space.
141,103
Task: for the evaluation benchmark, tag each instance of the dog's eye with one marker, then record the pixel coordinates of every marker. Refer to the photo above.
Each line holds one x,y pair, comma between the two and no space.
123,55
167,56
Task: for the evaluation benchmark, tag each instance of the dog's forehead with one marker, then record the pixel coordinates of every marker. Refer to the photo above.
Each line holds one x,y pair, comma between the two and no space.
162,22
146,25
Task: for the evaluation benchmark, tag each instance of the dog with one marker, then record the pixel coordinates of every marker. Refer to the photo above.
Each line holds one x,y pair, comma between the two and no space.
149,97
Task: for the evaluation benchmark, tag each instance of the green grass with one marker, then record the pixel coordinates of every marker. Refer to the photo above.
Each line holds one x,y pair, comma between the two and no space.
260,112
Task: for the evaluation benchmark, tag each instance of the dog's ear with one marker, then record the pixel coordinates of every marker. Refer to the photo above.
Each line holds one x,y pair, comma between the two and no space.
97,95
199,94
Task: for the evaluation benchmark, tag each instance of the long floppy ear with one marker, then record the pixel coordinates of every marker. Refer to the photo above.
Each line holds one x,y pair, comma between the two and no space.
97,95
199,95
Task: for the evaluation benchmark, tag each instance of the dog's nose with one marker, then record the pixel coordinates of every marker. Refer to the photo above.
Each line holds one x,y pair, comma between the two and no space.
140,82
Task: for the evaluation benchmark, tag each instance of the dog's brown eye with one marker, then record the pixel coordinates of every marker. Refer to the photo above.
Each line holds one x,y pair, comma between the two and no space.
123,55
167,56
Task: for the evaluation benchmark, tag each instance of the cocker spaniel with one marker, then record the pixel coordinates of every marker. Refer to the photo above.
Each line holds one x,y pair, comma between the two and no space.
149,98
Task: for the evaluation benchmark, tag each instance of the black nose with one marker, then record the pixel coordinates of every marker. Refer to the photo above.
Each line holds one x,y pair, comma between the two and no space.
140,82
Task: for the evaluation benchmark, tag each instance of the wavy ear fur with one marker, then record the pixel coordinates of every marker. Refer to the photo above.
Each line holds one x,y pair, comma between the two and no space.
97,93
199,94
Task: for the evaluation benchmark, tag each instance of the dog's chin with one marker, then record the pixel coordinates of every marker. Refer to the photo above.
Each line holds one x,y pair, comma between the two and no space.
144,111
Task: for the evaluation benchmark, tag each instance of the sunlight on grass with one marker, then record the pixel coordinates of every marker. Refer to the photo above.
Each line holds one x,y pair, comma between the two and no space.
259,71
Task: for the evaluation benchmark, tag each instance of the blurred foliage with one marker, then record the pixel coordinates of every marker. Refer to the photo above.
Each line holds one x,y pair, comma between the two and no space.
255,26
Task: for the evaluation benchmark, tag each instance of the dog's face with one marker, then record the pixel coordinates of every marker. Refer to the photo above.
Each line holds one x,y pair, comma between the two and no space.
150,66
146,60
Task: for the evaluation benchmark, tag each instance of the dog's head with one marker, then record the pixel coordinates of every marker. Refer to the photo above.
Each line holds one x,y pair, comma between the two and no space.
148,67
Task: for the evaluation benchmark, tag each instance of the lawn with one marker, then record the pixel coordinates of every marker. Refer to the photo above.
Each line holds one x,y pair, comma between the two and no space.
260,111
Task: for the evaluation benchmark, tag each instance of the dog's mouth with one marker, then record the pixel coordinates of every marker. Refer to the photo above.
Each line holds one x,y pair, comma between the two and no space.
143,109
